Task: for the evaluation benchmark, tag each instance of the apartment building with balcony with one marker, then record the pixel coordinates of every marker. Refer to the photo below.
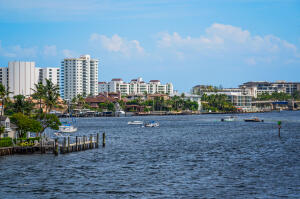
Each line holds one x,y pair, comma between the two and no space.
79,76
135,86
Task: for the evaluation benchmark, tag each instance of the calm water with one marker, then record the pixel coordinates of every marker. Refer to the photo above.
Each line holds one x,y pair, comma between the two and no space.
186,157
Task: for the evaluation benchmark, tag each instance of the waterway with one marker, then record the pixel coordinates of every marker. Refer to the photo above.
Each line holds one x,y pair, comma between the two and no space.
194,156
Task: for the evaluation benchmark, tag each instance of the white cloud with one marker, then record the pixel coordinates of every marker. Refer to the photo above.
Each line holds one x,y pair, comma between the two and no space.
117,44
220,39
68,53
18,52
50,50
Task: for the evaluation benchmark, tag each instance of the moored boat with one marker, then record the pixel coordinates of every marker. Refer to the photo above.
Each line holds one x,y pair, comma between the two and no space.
152,124
228,119
254,119
135,123
67,128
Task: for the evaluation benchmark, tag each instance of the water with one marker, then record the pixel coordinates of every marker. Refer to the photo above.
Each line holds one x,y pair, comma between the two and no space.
186,157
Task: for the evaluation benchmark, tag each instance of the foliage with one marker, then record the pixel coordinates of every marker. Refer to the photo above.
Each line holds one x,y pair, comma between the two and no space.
2,130
47,121
4,95
274,96
107,105
217,103
39,94
20,105
25,124
6,142
51,95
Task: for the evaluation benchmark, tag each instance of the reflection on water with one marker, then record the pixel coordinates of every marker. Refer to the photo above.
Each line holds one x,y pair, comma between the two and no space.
186,157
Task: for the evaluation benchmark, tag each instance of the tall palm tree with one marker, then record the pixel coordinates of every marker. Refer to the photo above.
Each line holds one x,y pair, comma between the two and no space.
4,95
39,93
51,95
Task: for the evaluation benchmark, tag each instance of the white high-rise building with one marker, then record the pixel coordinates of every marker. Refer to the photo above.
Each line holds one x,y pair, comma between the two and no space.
135,86
4,76
51,73
21,76
79,76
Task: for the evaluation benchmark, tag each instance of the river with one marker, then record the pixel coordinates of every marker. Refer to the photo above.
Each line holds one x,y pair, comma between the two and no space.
192,156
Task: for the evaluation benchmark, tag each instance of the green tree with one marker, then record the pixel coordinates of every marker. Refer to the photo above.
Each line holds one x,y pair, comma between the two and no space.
25,124
51,95
2,130
39,94
48,121
4,95
21,105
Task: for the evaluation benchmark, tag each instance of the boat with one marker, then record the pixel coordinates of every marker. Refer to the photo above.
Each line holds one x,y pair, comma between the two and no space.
67,128
254,119
152,124
228,119
135,123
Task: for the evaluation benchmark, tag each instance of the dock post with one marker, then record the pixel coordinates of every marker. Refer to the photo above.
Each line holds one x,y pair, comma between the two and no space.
64,145
97,141
56,147
103,140
84,142
91,141
68,144
41,145
76,144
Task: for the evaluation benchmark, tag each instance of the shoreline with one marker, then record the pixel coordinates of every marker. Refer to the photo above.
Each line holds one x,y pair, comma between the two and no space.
130,114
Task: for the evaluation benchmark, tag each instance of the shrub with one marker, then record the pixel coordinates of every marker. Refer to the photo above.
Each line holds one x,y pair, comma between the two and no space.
6,142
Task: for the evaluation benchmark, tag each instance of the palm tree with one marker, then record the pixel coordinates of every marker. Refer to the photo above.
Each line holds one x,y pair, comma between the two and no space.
21,105
51,95
4,94
39,93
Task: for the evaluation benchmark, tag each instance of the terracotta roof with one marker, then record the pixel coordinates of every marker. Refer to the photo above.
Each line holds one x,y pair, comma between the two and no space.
101,82
154,81
117,79
99,98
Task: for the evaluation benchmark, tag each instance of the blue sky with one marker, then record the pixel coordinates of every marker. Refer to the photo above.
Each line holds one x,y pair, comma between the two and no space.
190,42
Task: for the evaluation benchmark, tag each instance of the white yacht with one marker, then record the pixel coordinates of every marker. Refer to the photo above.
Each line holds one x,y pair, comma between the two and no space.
67,128
152,124
135,123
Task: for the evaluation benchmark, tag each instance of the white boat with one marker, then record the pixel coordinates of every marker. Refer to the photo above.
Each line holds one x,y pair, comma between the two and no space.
67,128
152,124
135,123
228,119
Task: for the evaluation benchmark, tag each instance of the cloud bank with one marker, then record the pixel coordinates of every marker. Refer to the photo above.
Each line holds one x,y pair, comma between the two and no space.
117,44
221,39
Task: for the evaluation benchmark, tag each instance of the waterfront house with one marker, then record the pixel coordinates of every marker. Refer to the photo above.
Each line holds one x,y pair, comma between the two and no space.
9,128
101,98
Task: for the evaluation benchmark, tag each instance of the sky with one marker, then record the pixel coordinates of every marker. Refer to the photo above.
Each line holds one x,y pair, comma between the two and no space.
186,42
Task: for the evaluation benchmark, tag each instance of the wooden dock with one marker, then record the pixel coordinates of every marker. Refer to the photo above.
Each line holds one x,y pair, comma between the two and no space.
80,144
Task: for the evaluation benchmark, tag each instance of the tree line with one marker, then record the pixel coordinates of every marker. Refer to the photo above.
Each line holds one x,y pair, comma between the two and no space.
23,114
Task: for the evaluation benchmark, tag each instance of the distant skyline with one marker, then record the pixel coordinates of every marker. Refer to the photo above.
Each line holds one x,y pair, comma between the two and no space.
218,42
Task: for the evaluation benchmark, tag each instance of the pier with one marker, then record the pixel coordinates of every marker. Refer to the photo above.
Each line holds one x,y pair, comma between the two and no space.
54,147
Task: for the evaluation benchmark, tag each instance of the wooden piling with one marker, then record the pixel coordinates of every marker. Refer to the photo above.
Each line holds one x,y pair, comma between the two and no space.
97,141
56,147
84,142
103,140
76,146
64,145
91,141
68,150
